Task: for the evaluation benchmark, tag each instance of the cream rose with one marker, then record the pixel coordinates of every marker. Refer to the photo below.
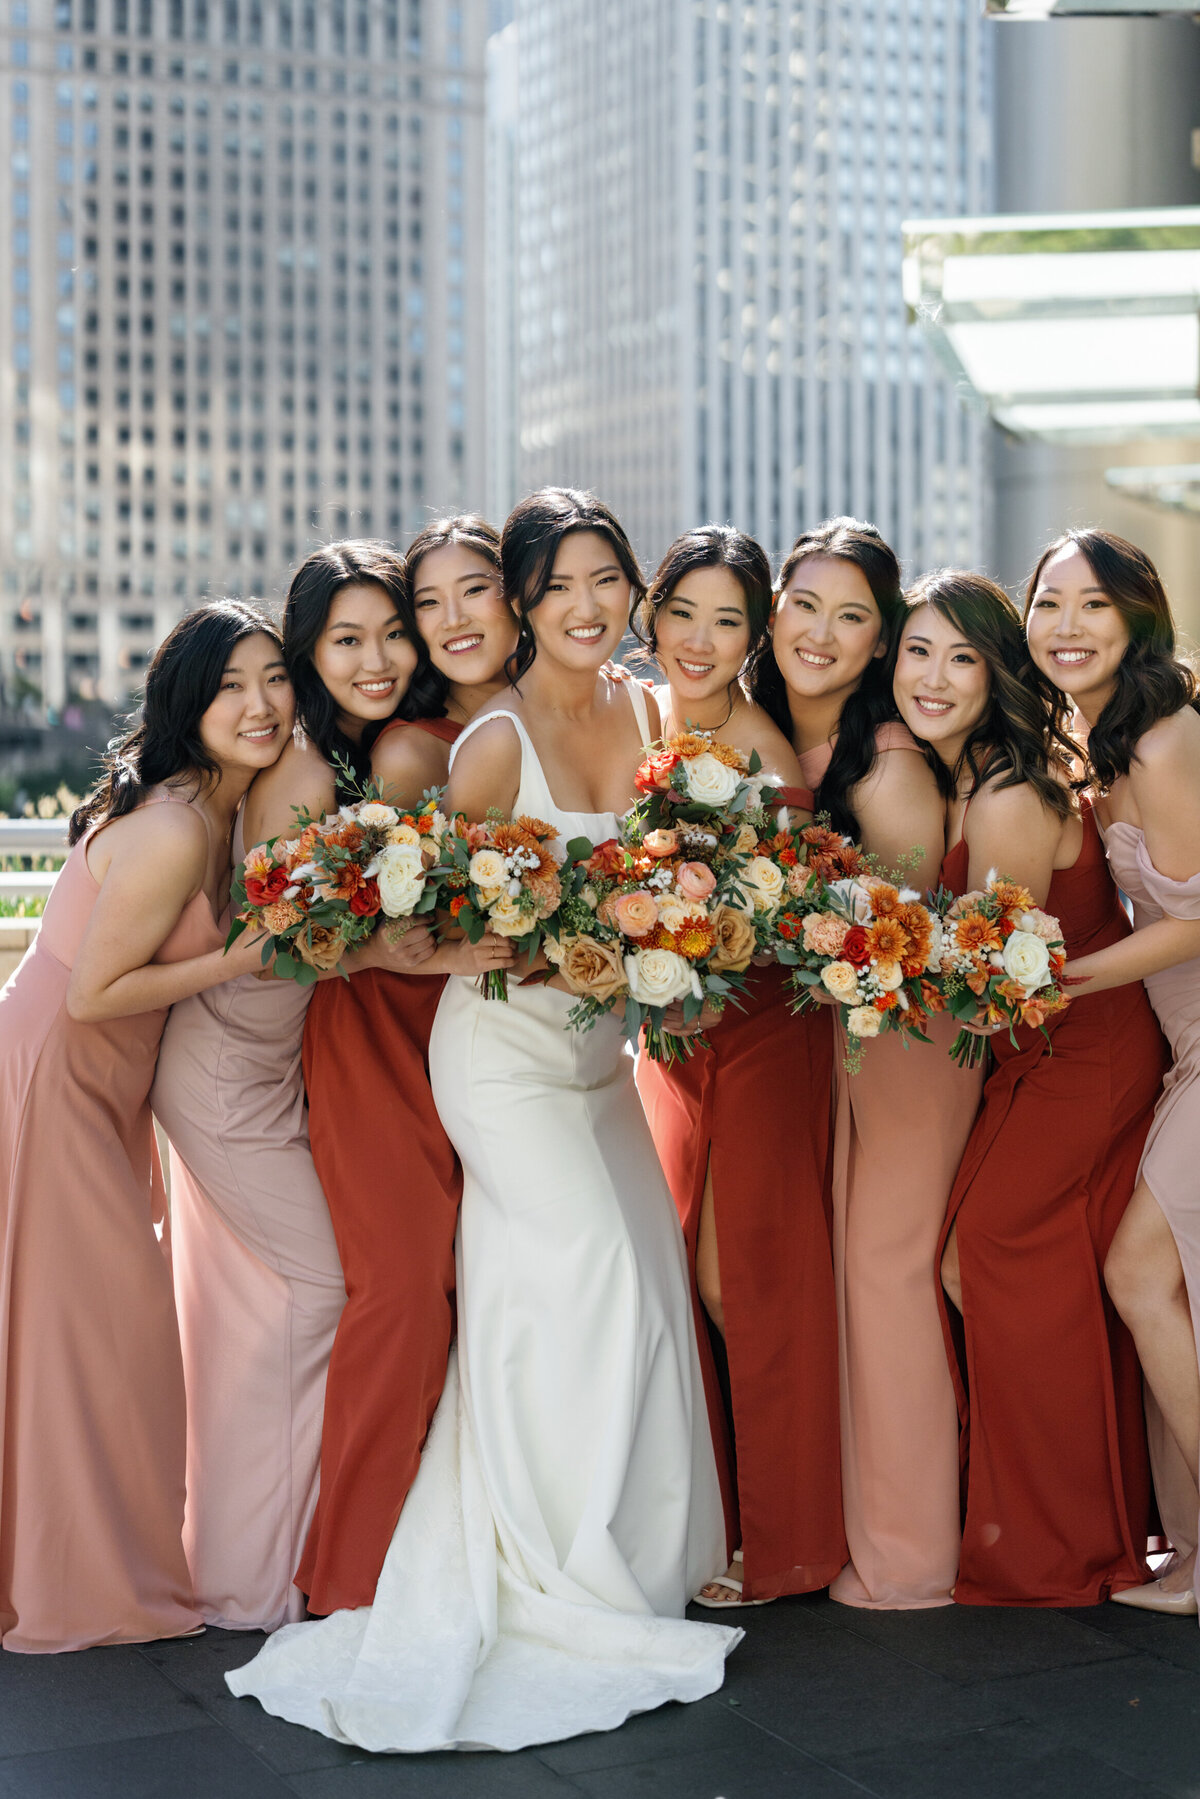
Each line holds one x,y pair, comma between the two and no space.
937,939
735,941
765,882
674,911
864,1021
486,868
842,981
709,782
591,969
375,816
658,976
401,877
507,919
746,841
1027,960
888,975
404,834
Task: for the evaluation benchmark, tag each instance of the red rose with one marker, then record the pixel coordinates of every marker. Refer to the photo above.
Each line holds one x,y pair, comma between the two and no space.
654,776
365,903
261,890
855,948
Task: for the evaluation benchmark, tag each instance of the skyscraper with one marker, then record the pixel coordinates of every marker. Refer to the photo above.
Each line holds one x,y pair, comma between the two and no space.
708,291
241,254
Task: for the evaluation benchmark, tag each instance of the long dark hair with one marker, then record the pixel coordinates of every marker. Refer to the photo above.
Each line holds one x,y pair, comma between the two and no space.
871,703
529,543
710,546
355,562
182,682
1152,682
474,533
1017,740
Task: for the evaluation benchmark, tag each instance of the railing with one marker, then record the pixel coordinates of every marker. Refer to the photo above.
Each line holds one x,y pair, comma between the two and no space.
33,837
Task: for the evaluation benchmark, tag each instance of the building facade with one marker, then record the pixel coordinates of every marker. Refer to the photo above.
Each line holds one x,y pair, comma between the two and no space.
709,303
241,249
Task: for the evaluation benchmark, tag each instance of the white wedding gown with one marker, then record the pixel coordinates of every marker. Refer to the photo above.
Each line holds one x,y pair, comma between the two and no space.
566,1507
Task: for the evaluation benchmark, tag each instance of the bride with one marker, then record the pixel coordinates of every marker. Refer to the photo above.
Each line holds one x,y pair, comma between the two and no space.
566,1507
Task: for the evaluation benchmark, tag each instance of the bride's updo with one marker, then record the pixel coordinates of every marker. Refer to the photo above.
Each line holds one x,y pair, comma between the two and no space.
529,544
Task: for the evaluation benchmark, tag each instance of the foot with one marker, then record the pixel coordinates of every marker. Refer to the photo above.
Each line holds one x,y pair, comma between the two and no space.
727,1590
1173,1591
1179,1576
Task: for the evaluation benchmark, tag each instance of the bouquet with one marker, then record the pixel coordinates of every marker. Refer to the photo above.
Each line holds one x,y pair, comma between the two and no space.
503,877
325,890
870,944
1002,957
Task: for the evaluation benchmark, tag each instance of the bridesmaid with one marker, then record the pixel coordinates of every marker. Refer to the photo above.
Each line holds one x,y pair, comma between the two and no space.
1100,628
902,1121
366,1048
91,1387
1057,1494
258,1284
759,1250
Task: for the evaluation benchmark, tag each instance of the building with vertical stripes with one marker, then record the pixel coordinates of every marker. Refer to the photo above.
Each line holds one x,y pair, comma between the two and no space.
708,281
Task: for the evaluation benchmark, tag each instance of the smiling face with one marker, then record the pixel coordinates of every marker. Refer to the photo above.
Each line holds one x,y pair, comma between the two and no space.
1076,633
363,656
702,634
583,615
942,684
462,615
826,628
250,720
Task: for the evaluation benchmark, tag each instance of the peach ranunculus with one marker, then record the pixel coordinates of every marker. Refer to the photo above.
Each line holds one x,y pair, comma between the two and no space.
661,843
695,880
735,941
841,980
824,933
591,969
325,949
636,912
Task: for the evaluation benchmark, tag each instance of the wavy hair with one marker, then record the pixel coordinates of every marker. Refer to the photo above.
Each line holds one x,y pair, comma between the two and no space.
182,682
320,577
710,546
529,544
473,533
871,704
1017,741
1152,681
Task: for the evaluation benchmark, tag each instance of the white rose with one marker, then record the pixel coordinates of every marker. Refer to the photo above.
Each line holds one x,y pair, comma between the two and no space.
674,911
841,980
658,976
888,976
486,868
765,882
1027,960
864,1021
404,834
855,899
375,816
507,919
709,782
401,878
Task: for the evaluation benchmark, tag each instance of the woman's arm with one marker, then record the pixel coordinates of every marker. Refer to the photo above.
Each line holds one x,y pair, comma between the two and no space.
1011,833
899,809
301,780
406,765
156,866
486,772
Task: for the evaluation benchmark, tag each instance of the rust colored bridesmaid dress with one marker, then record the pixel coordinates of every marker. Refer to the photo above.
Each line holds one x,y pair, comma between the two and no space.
91,1380
758,1105
1049,1389
900,1126
393,1184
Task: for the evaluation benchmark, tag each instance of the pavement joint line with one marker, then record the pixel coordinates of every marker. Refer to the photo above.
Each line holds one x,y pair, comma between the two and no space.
214,1720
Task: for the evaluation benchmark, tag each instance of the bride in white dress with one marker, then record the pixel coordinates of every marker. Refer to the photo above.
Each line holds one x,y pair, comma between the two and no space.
566,1508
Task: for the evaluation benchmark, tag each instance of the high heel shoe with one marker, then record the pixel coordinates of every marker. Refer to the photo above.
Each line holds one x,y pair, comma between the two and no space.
1153,1597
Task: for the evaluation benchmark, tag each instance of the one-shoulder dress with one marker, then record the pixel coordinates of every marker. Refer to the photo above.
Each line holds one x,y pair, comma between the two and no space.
757,1104
393,1183
566,1507
1057,1495
258,1288
91,1382
1172,1152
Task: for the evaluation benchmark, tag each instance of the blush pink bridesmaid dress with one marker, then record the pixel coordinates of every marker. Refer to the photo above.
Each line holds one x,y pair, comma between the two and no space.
900,1127
1169,1158
91,1384
258,1286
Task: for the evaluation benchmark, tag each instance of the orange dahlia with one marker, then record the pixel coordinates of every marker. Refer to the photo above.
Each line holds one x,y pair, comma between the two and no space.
887,939
975,935
1012,896
696,939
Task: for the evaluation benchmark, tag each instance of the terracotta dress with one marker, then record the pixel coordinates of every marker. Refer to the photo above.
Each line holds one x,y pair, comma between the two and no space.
901,1124
258,1288
393,1184
1171,1153
91,1385
757,1105
1049,1389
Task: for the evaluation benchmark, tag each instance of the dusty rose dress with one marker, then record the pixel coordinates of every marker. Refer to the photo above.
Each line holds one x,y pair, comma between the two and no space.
901,1124
1169,1160
258,1286
91,1387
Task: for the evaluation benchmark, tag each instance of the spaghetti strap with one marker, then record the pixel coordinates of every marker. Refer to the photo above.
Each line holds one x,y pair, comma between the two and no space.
637,699
532,774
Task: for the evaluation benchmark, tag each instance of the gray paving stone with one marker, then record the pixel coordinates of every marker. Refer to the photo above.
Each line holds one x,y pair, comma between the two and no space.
92,1696
759,1769
710,1725
519,1776
191,1764
1174,1640
1011,1761
969,1643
